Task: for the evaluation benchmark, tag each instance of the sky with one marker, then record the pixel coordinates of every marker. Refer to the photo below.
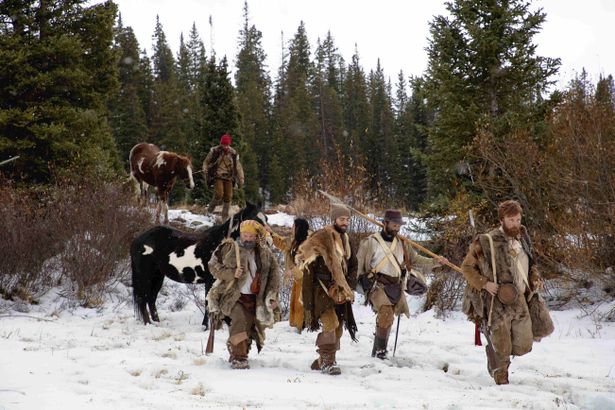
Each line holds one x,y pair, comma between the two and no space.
394,31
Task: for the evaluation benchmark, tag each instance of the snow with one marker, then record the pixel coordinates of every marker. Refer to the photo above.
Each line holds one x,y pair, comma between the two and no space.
281,219
59,356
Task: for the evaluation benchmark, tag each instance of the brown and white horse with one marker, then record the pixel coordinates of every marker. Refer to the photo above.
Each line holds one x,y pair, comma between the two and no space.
150,166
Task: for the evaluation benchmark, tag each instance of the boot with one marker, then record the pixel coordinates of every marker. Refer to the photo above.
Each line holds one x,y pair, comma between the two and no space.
381,340
501,375
225,208
238,355
326,362
327,344
212,206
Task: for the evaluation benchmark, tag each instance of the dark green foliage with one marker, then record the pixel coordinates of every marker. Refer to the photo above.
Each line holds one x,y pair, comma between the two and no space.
482,72
127,110
57,74
253,90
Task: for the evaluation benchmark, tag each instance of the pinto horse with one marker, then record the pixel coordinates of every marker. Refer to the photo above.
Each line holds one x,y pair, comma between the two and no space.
180,256
150,166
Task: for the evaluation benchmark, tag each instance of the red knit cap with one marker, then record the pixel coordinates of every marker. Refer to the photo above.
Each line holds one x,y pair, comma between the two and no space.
226,139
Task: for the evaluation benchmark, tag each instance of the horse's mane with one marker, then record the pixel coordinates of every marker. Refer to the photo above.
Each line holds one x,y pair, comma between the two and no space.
216,232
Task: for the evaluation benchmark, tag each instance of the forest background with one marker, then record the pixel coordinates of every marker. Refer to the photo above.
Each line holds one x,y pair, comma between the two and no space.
485,122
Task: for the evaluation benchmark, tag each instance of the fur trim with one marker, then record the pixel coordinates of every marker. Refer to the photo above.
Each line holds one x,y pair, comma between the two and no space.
334,250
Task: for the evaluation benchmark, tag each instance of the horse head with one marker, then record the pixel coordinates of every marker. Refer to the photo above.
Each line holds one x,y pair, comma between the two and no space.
250,211
183,169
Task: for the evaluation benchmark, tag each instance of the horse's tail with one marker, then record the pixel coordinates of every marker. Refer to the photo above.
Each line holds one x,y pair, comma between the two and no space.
139,292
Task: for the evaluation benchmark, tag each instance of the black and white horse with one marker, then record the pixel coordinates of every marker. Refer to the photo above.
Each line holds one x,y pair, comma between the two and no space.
180,256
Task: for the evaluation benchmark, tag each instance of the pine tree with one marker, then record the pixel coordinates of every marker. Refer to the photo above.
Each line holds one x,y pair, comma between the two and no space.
381,154
254,105
57,76
127,114
327,89
296,127
166,124
356,110
482,72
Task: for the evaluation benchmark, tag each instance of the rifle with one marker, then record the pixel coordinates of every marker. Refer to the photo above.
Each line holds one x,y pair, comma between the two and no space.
336,200
9,160
212,331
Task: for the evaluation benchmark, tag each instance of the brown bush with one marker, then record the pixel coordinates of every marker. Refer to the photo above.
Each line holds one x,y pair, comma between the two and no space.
76,232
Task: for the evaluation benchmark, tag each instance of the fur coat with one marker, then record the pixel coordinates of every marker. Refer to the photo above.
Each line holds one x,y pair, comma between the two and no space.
225,291
477,271
326,260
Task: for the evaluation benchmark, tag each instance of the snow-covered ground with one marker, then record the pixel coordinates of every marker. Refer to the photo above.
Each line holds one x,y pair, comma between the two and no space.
56,357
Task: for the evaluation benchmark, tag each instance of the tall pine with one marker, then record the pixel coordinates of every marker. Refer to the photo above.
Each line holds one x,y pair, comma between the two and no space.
57,76
253,88
483,72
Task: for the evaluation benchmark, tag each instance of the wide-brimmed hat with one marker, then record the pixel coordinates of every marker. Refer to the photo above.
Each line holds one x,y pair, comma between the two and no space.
393,215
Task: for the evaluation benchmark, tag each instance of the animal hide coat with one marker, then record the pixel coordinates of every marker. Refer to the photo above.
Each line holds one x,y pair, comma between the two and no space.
225,291
477,271
326,260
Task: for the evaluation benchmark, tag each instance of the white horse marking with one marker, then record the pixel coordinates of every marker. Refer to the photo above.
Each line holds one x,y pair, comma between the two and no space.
160,159
148,250
188,260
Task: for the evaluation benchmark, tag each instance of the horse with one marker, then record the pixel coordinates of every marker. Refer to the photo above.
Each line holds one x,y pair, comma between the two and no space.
150,166
181,256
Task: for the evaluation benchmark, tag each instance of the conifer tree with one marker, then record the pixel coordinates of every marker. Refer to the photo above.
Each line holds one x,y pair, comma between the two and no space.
166,125
253,86
482,71
356,110
127,114
296,126
327,89
57,76
381,154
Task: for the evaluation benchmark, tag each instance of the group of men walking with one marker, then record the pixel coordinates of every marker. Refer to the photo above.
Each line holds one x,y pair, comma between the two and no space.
327,272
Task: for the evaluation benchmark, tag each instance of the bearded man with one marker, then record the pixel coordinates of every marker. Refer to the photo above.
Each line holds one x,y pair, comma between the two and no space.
329,276
503,283
246,290
384,261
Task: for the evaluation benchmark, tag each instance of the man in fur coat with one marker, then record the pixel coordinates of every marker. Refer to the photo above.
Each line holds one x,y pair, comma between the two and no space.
222,170
329,277
384,261
246,290
499,300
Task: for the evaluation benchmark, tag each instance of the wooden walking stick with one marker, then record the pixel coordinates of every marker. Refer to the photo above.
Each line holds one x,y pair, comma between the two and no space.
396,335
380,224
212,332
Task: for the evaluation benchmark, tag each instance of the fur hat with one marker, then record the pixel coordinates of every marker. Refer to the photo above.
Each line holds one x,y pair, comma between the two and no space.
251,226
338,210
226,139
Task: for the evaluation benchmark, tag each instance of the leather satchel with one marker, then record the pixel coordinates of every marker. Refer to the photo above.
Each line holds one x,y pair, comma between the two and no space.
415,286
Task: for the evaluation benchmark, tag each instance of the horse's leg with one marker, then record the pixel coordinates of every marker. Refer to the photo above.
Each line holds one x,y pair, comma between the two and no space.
136,185
156,284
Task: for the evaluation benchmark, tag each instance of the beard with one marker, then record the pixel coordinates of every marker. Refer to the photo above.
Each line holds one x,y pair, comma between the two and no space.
512,232
391,232
340,229
247,244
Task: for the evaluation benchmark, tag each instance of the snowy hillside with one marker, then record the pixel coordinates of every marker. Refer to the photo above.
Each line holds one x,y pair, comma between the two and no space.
58,357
